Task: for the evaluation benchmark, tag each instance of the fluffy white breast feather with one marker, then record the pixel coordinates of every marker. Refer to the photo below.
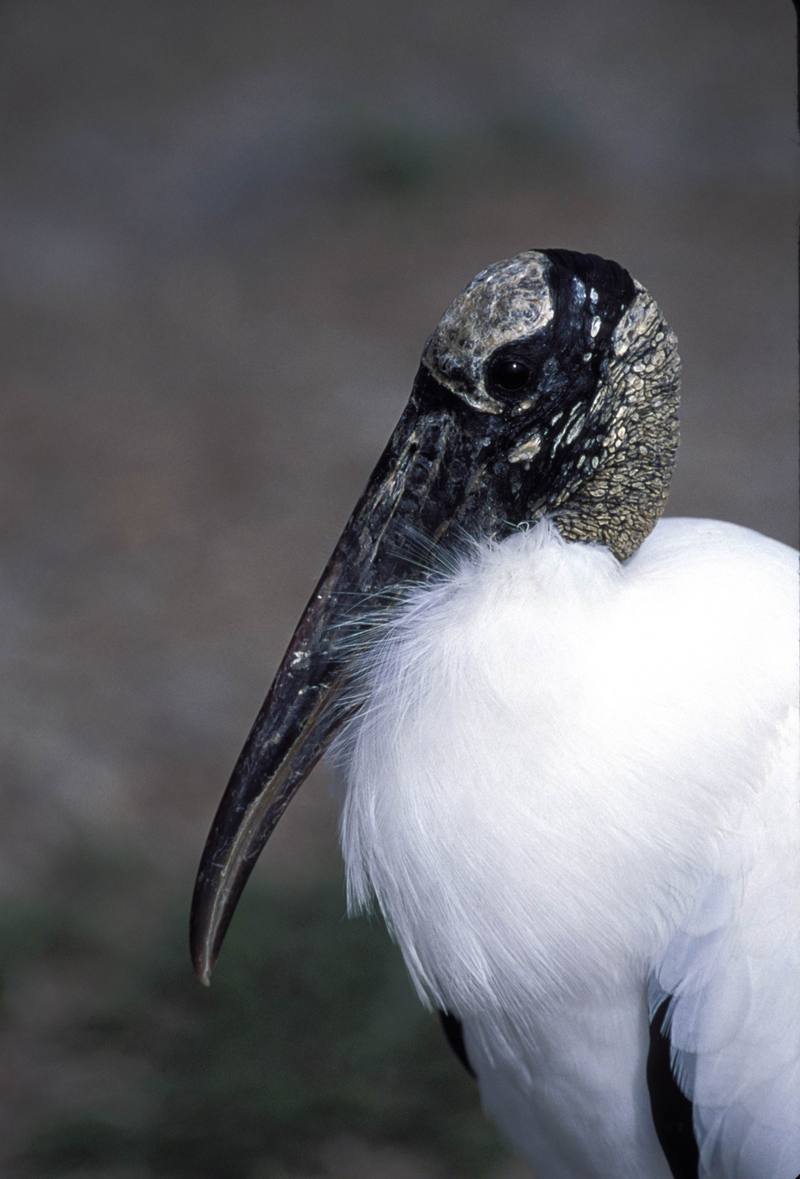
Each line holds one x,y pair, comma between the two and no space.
573,789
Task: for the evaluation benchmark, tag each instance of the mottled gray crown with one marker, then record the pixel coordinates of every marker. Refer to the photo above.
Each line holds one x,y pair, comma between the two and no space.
505,301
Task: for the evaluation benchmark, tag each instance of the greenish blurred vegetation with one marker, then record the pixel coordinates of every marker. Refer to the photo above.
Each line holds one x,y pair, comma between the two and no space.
309,1031
407,160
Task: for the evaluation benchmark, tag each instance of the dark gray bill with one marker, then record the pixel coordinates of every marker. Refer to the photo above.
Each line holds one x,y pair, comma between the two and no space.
431,472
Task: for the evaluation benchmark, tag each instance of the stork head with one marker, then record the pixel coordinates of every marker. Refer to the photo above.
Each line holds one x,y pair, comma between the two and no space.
550,385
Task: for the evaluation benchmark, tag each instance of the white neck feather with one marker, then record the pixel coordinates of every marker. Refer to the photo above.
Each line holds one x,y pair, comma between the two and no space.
503,798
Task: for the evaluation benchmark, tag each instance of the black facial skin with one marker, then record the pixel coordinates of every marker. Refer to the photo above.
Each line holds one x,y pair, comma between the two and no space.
447,465
555,375
566,365
560,374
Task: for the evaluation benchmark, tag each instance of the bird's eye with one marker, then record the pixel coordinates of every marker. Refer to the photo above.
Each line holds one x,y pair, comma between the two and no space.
507,376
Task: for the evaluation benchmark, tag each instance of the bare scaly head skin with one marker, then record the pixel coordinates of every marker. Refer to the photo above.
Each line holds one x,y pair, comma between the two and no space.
604,403
636,409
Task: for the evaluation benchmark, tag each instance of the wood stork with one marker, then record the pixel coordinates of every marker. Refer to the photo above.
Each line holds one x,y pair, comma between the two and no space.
569,744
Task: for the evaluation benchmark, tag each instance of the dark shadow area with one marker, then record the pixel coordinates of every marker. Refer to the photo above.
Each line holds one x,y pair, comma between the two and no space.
310,1034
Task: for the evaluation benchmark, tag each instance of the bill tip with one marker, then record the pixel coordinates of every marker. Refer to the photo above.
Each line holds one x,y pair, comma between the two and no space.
203,968
203,963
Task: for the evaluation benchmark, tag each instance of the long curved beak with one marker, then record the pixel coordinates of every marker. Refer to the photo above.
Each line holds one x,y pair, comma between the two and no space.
431,468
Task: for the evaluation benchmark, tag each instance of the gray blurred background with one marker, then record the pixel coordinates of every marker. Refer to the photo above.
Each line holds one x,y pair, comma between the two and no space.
227,230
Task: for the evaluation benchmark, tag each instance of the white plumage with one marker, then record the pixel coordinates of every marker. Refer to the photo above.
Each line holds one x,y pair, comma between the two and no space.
573,792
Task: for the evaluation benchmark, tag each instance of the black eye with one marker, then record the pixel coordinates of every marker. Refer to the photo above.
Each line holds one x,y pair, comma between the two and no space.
507,376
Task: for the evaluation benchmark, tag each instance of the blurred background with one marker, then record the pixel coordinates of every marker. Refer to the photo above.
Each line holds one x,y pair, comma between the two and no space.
226,231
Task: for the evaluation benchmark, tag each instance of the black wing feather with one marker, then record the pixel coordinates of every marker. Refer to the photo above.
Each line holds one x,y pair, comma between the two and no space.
455,1038
672,1109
